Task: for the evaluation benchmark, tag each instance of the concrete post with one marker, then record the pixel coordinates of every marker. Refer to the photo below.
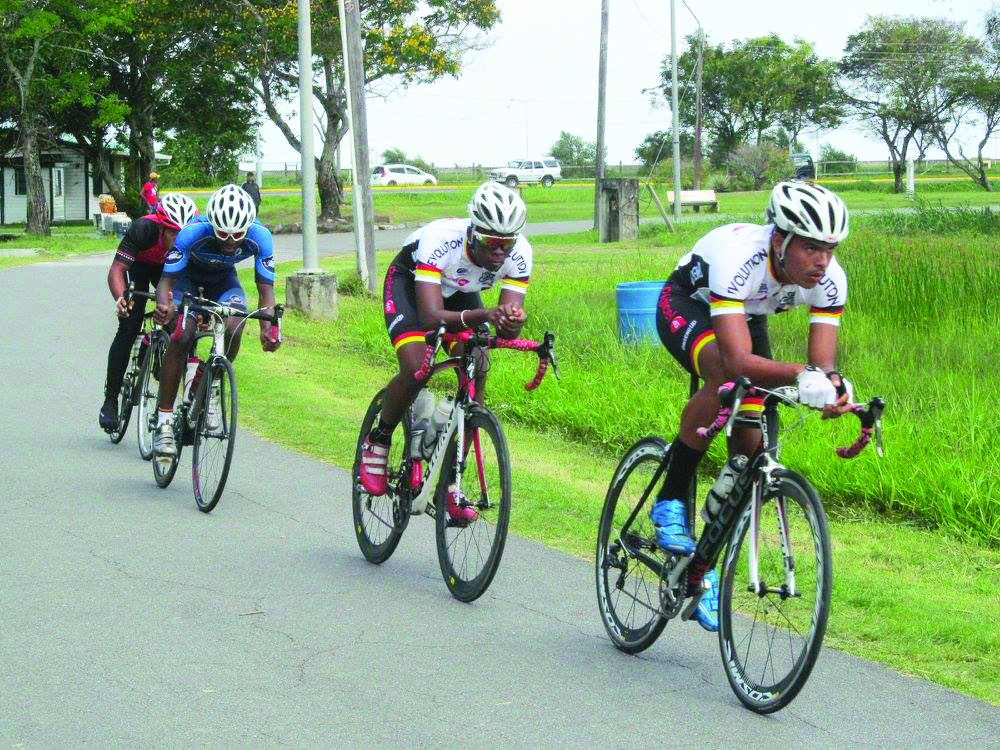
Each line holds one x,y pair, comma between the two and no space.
312,294
911,184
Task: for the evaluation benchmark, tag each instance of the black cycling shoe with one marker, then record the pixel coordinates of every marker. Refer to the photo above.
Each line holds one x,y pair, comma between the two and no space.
108,418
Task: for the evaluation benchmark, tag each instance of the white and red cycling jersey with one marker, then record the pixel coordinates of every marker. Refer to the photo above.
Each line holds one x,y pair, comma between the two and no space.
730,269
437,253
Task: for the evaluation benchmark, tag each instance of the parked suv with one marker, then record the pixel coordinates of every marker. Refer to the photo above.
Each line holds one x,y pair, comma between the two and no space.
401,174
804,167
545,170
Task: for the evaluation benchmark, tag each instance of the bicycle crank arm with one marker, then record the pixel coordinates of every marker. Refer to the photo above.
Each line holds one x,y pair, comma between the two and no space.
688,612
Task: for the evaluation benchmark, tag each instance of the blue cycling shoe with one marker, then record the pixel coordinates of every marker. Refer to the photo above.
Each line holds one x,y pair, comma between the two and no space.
707,612
670,519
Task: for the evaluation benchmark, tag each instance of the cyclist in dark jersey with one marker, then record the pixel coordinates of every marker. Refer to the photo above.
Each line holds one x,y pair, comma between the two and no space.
712,317
436,278
205,257
139,260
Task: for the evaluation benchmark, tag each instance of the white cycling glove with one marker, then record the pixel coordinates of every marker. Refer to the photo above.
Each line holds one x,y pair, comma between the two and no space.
815,388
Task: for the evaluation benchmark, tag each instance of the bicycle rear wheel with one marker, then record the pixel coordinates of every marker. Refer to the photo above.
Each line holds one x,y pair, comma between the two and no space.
379,521
148,394
628,590
215,434
769,641
469,551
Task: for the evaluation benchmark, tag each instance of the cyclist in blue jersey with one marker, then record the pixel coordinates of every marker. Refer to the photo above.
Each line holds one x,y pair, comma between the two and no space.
204,257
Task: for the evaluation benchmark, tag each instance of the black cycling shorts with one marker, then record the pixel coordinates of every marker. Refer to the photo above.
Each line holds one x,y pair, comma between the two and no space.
399,297
685,327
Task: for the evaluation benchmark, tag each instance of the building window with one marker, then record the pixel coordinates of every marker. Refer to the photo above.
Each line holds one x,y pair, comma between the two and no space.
20,182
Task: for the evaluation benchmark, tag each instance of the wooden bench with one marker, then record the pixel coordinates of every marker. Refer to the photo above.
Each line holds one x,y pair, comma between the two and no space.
696,199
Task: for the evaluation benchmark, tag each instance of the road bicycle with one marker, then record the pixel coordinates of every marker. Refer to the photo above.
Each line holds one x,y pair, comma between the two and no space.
206,416
771,533
129,394
468,551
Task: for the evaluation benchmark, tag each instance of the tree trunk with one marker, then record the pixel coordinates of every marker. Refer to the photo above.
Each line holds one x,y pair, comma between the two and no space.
38,208
331,194
897,173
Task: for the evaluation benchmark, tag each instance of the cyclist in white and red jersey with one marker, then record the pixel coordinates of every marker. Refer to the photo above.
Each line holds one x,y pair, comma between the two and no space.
139,260
712,317
437,278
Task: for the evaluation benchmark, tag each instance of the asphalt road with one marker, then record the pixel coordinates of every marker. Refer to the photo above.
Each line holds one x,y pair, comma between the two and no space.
129,619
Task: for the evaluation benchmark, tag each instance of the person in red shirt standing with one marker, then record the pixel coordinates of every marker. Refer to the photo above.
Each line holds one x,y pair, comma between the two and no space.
149,192
139,260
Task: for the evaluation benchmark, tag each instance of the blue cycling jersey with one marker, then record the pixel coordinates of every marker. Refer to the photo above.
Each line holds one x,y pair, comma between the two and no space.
197,248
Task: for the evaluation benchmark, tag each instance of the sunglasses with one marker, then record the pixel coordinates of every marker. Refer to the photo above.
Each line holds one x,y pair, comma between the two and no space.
493,242
225,236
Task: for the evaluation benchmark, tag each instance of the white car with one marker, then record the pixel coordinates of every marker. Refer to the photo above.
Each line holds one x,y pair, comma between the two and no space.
545,170
401,174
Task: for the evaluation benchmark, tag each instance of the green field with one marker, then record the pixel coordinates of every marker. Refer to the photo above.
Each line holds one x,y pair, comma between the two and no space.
65,242
916,533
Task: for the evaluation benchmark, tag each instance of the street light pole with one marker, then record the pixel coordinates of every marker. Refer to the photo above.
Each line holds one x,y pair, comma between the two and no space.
602,85
310,255
674,109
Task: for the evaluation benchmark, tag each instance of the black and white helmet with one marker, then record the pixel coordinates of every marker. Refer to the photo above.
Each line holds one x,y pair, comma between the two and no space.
230,210
807,210
496,209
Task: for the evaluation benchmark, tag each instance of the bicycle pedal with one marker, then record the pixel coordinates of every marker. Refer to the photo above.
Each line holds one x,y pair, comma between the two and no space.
688,612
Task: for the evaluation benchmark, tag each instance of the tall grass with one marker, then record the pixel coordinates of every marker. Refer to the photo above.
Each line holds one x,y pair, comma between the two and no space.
920,329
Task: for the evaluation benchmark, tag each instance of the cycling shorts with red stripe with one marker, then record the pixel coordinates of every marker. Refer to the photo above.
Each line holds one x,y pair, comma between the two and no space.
399,304
685,327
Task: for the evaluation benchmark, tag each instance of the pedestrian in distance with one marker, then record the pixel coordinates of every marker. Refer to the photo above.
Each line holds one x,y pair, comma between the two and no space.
251,188
149,196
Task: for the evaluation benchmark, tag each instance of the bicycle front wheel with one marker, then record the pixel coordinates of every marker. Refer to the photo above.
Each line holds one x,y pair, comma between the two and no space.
379,520
770,638
628,590
215,434
472,524
149,391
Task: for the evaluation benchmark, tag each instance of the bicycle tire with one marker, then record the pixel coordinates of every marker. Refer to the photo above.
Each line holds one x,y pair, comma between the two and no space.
809,546
147,397
210,462
163,471
493,513
618,599
379,521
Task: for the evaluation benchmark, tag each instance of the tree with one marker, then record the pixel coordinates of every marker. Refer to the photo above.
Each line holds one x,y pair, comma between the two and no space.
659,146
571,150
398,156
758,83
902,79
169,69
41,45
978,90
405,41
836,161
753,167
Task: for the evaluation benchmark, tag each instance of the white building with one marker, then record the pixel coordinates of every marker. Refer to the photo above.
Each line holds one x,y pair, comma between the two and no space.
72,184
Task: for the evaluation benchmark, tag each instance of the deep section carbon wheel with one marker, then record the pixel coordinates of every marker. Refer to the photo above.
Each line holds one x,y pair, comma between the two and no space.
770,637
628,590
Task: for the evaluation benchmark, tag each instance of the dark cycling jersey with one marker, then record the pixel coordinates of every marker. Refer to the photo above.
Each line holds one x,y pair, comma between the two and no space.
197,249
142,243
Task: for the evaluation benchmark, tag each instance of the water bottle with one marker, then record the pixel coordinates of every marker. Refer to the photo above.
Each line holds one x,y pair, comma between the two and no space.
722,487
438,420
420,412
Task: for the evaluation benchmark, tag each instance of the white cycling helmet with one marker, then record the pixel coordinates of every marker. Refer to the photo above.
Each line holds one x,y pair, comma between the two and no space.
230,210
175,210
807,210
496,209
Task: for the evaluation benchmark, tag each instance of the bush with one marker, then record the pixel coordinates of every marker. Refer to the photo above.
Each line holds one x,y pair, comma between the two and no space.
754,167
837,162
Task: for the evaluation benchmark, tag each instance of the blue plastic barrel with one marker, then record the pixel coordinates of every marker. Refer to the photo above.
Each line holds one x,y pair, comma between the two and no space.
637,311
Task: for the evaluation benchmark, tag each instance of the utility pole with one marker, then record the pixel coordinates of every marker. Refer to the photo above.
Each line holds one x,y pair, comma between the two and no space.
259,167
354,78
697,122
602,85
310,255
676,114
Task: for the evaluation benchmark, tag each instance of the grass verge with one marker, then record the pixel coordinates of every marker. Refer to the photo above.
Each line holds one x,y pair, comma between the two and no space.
913,598
64,242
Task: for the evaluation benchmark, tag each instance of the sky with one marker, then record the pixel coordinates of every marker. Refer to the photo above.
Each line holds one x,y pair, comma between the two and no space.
539,77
